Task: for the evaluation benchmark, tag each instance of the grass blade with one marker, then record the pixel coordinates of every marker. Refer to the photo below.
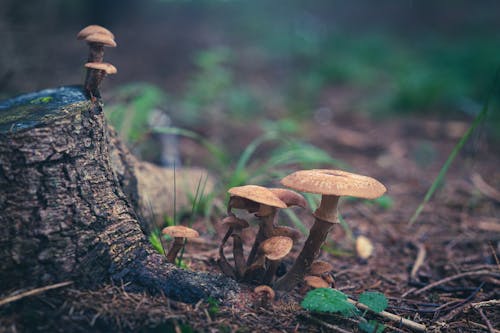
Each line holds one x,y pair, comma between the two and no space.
444,169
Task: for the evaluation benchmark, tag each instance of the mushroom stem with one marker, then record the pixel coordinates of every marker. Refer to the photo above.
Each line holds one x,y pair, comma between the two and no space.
93,80
255,272
272,267
317,236
177,245
266,228
239,257
224,265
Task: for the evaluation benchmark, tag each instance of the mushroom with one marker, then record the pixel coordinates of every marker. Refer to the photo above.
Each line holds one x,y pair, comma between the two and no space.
266,295
179,233
235,225
93,29
96,73
273,249
331,184
97,40
322,269
316,282
262,202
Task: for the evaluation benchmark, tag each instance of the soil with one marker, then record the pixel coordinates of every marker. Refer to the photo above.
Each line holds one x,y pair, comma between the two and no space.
457,237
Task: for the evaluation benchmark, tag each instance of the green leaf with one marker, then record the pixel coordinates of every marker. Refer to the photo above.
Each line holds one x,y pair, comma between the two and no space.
371,326
328,300
374,300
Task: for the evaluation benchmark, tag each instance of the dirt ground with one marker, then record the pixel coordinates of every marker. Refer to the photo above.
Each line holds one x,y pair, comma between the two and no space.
456,238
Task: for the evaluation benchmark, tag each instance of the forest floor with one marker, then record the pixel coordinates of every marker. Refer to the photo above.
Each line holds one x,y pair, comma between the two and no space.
457,238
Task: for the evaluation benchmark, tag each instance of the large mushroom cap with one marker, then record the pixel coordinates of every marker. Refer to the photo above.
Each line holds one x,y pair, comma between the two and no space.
277,247
103,39
334,182
104,66
289,197
257,194
177,231
93,29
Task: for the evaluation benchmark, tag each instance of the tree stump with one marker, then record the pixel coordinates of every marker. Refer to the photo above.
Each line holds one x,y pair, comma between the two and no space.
70,202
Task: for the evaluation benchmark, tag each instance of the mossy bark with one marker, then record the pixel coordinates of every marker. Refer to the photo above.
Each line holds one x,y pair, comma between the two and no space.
69,209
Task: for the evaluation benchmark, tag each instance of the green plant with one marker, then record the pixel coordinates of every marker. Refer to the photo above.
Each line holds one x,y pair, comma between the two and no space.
334,301
132,108
213,90
444,169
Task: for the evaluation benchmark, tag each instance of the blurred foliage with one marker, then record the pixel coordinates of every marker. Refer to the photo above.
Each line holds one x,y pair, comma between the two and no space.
131,109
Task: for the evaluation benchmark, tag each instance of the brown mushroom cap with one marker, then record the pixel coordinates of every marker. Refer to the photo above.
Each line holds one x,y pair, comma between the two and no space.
289,197
292,233
93,29
233,221
100,38
277,247
316,282
334,182
104,66
320,267
180,231
257,194
266,290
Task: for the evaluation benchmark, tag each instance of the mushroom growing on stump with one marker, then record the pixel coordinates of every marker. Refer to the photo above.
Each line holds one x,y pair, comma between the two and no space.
262,202
273,249
235,226
331,184
179,233
97,72
97,37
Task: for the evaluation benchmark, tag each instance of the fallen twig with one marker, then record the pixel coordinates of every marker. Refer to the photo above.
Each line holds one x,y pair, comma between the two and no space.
390,316
486,321
332,327
32,292
419,261
451,278
485,189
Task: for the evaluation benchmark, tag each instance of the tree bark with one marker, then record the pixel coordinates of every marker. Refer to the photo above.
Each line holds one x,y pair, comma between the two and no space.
70,205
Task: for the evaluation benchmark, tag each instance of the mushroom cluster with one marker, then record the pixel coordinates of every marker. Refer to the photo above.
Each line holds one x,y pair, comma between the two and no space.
264,258
272,243
97,38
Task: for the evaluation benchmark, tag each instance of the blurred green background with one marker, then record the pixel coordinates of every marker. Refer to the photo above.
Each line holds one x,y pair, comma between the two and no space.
248,60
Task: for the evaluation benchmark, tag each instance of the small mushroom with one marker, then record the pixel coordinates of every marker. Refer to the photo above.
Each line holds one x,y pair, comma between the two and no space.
235,225
273,249
318,268
97,38
316,282
331,184
97,70
289,197
262,202
322,269
93,29
97,41
292,233
266,295
179,233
